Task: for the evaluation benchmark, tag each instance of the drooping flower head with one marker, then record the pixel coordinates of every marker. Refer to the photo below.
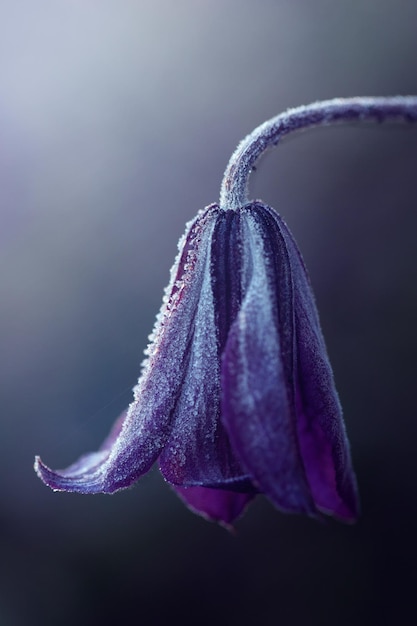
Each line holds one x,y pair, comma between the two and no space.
237,395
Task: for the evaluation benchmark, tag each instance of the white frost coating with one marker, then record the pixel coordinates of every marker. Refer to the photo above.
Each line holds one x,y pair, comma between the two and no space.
260,419
147,425
192,455
202,382
168,303
191,278
257,296
233,193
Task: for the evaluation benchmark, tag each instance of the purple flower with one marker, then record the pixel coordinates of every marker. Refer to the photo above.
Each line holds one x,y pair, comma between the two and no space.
237,395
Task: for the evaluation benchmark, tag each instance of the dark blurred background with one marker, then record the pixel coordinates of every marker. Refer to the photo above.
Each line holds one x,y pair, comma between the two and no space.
117,120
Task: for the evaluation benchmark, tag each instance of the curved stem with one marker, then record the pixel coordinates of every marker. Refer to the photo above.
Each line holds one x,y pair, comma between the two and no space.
233,192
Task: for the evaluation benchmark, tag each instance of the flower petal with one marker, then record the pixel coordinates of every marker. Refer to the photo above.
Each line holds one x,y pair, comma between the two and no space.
306,377
257,369
130,452
323,441
218,505
198,451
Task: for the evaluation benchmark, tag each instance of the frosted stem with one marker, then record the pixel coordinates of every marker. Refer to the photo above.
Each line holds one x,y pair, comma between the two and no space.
234,187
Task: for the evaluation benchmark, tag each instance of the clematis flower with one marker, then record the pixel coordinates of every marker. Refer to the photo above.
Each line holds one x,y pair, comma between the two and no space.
237,397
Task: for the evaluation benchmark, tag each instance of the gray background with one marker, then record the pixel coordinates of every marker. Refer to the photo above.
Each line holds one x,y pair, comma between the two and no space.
117,120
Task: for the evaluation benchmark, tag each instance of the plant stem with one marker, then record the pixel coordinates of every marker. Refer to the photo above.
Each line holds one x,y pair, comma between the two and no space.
234,187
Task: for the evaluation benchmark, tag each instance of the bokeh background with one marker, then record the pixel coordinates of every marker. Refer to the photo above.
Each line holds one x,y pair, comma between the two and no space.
117,120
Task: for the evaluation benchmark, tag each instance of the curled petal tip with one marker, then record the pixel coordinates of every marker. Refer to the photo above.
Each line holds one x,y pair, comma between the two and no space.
83,476
45,474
